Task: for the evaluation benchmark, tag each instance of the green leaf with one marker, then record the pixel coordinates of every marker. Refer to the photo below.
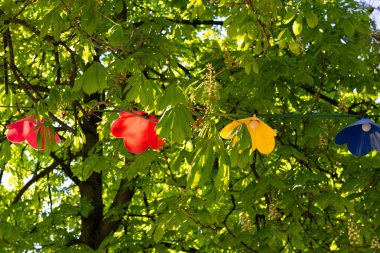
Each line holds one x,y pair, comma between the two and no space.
93,80
294,47
243,159
312,19
297,25
175,124
52,23
42,108
289,150
348,27
158,233
89,17
144,160
172,96
276,182
255,67
49,138
258,48
289,16
202,165
244,138
198,8
5,153
39,136
206,218
89,166
222,178
85,207
232,29
140,164
116,35
141,90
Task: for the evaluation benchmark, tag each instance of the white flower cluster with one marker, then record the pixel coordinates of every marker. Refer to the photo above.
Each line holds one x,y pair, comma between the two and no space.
375,244
246,222
273,213
353,233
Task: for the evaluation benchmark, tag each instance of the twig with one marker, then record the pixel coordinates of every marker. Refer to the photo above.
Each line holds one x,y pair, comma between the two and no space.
257,176
66,168
228,215
34,179
6,79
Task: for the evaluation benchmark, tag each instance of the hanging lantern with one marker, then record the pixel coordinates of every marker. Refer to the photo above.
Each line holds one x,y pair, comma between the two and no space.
361,137
138,131
29,129
262,135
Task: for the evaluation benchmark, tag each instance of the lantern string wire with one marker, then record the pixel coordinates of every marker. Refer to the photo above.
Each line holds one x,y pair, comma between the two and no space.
265,115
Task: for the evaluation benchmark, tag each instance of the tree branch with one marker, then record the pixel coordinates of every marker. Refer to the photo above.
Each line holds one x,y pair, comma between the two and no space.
18,75
34,179
325,98
194,22
257,176
8,41
6,78
122,198
228,215
66,168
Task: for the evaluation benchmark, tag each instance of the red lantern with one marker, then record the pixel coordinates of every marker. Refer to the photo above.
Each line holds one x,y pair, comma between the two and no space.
138,130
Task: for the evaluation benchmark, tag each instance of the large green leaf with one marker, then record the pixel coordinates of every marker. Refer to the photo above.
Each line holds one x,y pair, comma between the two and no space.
289,16
297,25
142,90
52,23
140,164
222,178
116,35
172,96
312,19
348,27
198,8
89,17
93,80
175,124
202,165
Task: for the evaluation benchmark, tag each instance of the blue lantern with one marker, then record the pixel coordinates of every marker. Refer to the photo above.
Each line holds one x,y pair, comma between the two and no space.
361,137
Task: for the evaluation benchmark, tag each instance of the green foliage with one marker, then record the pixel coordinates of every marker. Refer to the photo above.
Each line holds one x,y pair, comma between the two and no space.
175,124
141,90
93,80
196,65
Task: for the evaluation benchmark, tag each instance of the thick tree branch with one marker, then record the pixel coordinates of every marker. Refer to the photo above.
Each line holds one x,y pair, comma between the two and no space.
91,191
122,199
195,22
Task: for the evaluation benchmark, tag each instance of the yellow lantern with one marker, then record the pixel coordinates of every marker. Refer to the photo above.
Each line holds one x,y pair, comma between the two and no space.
262,135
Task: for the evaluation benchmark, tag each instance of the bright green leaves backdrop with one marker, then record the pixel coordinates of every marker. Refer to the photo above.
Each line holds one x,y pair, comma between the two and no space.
196,65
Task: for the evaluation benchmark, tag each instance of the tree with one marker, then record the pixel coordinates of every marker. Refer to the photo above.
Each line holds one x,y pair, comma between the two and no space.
196,65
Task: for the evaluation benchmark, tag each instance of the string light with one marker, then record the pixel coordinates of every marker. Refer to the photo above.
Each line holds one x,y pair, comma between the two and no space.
267,115
65,109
